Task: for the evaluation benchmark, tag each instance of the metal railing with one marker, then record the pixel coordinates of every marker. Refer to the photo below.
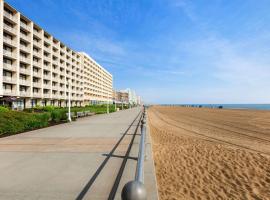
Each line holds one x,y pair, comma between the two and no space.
135,190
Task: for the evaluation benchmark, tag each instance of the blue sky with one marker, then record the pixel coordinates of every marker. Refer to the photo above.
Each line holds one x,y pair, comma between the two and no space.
169,51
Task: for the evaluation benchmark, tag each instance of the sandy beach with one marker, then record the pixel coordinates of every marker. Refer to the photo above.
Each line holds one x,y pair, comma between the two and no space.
203,153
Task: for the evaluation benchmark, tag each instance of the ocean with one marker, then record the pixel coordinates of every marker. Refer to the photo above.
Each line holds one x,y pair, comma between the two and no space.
234,106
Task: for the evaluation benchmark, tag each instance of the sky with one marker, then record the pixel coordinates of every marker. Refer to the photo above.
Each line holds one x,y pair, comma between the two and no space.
169,51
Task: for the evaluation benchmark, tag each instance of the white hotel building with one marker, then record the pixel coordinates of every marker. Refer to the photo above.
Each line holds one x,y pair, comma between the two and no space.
38,69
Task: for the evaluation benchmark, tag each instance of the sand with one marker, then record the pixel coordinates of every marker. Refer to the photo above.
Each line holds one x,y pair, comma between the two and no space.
214,154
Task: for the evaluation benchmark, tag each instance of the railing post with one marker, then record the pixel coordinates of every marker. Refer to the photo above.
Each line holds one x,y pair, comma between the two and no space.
135,190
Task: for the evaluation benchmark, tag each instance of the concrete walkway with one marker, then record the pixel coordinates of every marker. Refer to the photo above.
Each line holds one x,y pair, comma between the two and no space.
58,162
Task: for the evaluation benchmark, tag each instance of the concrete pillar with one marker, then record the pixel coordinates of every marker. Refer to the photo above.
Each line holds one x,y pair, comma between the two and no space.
28,103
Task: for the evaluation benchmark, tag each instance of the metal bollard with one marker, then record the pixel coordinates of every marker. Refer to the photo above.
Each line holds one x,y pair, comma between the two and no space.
134,190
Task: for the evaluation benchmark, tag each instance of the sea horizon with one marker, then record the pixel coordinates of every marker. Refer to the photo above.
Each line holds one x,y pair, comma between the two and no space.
228,106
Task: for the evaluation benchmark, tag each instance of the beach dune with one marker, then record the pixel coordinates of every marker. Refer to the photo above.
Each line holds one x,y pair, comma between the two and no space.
203,153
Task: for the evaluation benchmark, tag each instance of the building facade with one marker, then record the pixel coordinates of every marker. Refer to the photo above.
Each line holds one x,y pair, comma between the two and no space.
38,69
98,81
120,97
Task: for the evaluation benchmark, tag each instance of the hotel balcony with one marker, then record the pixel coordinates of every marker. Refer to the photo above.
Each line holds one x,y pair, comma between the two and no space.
25,82
47,40
55,62
11,30
55,87
10,67
10,54
38,44
47,67
10,42
47,58
37,33
25,71
8,79
47,95
25,37
26,27
9,92
48,76
37,94
56,71
25,94
37,84
55,96
37,64
37,74
62,73
46,86
48,49
10,16
25,48
25,60
37,54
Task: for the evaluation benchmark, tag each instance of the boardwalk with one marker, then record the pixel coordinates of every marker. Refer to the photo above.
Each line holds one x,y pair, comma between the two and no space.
67,161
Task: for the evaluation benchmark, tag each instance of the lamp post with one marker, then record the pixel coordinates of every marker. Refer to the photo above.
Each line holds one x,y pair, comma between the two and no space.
69,91
122,102
108,111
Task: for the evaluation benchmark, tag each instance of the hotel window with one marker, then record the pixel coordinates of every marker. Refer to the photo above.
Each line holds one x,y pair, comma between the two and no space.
23,88
35,90
7,86
23,66
23,54
22,77
7,48
7,73
8,24
8,36
23,32
35,80
35,69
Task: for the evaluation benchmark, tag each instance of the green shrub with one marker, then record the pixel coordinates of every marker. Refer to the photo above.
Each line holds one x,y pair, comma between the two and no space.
58,114
48,108
14,122
3,109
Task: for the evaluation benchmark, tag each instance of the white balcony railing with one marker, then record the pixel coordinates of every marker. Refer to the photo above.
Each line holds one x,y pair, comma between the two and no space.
25,82
46,86
38,54
37,94
9,16
9,41
38,44
37,33
24,59
25,37
48,49
37,74
47,76
37,64
9,92
46,95
9,79
26,26
10,29
9,54
37,84
47,67
25,70
9,66
25,48
24,93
